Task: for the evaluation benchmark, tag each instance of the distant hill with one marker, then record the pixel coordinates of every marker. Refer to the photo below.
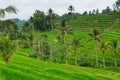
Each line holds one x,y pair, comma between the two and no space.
18,21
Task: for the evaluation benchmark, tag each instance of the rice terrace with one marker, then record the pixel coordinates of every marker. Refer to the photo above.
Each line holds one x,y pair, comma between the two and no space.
59,40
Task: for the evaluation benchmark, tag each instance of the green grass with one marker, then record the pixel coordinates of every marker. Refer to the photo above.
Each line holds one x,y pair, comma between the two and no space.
99,20
24,68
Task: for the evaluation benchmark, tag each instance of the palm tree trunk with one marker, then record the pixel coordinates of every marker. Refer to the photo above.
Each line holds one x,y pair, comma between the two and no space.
63,50
51,53
17,40
75,49
7,57
115,59
38,46
66,59
115,62
65,53
72,16
103,60
51,24
96,54
96,59
32,42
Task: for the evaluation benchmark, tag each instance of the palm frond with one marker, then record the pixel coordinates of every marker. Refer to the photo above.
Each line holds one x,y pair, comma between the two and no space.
98,39
91,35
2,13
76,42
11,9
115,44
104,46
50,11
95,31
69,30
63,23
59,38
71,8
89,40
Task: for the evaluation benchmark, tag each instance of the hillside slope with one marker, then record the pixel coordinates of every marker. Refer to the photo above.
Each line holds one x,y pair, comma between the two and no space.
24,68
109,29
98,20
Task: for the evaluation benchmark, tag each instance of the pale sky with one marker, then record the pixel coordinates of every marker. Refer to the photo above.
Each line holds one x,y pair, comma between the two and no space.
27,7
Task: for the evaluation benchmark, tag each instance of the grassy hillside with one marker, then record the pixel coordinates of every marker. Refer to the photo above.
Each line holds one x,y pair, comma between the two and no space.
21,67
98,20
108,26
24,68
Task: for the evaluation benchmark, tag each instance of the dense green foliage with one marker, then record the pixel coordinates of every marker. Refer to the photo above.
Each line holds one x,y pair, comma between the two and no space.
44,22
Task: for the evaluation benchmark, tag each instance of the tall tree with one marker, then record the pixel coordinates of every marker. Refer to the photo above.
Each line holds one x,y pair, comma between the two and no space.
95,36
7,47
90,12
114,7
9,9
114,45
103,48
107,10
76,44
71,9
85,13
51,17
38,20
62,39
97,11
93,12
117,3
63,32
44,48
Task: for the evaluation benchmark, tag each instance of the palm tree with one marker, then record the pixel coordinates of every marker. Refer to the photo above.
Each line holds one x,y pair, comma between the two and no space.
63,32
43,39
9,9
7,47
117,3
95,36
51,52
114,7
76,44
62,39
51,17
46,50
103,48
114,46
71,9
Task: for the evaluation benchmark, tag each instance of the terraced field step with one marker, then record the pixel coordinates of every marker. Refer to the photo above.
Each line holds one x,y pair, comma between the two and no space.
24,68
